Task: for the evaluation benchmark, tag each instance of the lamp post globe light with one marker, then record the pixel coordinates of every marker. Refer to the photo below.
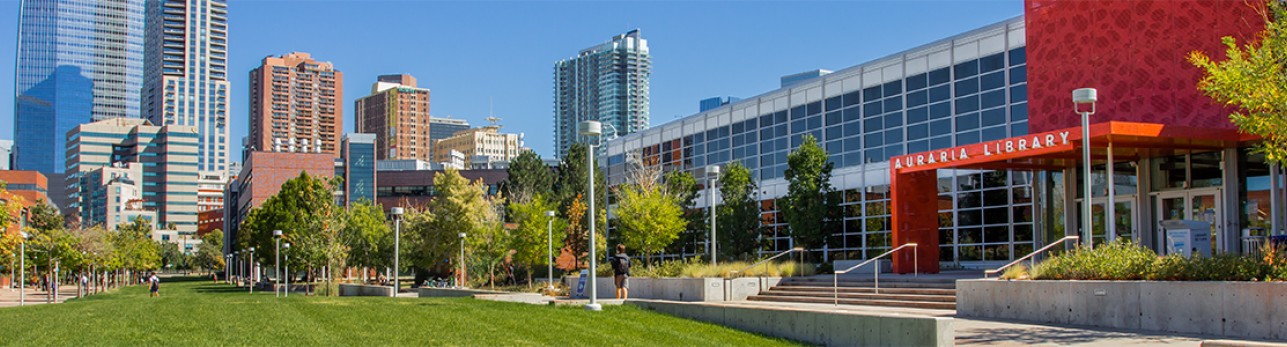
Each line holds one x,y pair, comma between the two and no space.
22,264
460,282
549,257
397,232
1084,103
712,172
591,129
277,262
251,265
287,264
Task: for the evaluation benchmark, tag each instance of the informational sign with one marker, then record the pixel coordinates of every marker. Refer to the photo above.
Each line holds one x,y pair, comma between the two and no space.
580,283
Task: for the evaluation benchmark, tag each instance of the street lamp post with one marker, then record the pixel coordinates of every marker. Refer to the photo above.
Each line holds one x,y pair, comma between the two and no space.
235,257
22,265
397,237
250,262
227,268
549,257
287,264
1082,97
593,129
712,172
460,282
277,262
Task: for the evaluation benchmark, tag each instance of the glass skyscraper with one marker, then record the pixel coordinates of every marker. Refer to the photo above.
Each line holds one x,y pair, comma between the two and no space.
607,83
185,79
77,61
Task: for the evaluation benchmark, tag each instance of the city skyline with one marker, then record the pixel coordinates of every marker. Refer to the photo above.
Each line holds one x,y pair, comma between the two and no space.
689,65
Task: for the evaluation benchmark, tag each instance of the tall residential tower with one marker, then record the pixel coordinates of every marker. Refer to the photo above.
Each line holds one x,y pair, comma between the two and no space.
295,105
77,61
607,83
397,112
185,82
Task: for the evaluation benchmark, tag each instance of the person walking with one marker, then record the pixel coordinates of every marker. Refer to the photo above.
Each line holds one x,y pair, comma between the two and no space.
621,271
154,285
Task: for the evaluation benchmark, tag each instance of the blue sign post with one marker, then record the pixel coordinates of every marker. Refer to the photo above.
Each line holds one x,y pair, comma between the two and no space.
580,283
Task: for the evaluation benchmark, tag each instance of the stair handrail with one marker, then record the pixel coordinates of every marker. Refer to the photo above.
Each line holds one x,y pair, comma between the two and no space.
733,274
1033,263
835,275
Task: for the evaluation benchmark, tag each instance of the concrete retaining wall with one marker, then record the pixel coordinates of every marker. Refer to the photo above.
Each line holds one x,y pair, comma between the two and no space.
817,327
425,292
1235,309
364,290
682,289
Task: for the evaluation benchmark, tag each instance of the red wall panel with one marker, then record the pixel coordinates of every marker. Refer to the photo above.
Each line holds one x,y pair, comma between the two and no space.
1133,52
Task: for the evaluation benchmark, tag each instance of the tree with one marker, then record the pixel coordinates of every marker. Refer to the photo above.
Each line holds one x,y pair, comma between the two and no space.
739,216
571,184
171,257
210,251
1253,79
135,249
458,207
306,213
531,238
648,215
528,176
11,209
368,236
576,242
684,187
809,194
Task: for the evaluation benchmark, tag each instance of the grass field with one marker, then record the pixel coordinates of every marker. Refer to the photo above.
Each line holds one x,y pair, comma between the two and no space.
197,312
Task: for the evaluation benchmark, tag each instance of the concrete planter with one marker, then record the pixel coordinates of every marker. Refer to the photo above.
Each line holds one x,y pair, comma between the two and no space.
1235,309
817,327
682,289
364,290
426,292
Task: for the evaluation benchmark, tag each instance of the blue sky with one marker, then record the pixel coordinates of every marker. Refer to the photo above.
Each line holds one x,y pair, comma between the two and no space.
481,56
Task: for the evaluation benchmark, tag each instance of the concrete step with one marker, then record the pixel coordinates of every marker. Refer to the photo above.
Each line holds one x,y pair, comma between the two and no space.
868,284
844,301
866,296
860,290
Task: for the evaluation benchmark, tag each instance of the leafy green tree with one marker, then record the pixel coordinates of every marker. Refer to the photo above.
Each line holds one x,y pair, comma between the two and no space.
648,215
11,209
171,257
1253,80
528,177
531,239
306,213
368,236
809,194
210,252
572,178
739,215
684,186
458,207
135,249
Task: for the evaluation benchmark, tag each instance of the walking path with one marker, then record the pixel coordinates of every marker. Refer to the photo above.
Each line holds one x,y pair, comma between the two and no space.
9,298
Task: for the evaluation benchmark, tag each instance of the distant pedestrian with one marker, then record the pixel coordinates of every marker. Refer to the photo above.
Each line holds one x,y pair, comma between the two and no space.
621,271
154,282
84,282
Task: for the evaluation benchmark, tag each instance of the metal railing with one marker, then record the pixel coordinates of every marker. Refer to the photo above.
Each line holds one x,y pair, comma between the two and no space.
733,274
835,276
1029,256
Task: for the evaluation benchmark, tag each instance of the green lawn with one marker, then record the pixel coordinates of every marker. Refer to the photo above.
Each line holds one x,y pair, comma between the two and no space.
197,312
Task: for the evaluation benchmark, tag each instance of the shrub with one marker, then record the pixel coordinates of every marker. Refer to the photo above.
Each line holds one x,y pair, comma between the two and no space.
1016,272
1125,261
1118,261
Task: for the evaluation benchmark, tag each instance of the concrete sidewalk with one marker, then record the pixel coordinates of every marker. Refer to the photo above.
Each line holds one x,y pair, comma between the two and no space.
9,298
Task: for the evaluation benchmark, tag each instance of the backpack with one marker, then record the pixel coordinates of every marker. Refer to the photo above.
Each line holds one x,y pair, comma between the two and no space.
621,264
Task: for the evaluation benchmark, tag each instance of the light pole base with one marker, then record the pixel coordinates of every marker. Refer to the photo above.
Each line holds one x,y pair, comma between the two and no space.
593,307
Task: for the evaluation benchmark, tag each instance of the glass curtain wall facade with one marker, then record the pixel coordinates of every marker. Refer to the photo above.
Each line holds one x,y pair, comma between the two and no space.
957,91
186,74
607,83
77,61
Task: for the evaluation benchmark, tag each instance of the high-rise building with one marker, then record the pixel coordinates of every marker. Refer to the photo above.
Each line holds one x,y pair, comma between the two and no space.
185,76
77,61
166,154
359,168
607,83
6,154
442,128
708,104
295,105
484,144
397,112
113,195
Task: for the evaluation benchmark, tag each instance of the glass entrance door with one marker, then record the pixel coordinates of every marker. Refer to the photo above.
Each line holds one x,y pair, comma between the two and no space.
1123,213
1199,205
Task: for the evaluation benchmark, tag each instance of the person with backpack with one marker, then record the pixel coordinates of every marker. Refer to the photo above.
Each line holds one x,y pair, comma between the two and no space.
621,271
155,285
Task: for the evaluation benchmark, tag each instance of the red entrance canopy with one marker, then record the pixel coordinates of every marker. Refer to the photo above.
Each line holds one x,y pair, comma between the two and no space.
914,177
